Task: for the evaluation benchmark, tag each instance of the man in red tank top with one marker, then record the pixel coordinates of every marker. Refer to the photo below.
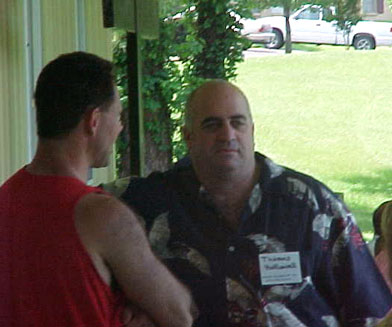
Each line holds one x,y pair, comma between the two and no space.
63,244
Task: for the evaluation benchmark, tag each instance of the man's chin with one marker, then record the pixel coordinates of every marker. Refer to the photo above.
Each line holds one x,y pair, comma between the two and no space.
226,164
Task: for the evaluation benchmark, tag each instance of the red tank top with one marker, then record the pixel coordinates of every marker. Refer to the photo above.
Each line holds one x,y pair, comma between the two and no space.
46,276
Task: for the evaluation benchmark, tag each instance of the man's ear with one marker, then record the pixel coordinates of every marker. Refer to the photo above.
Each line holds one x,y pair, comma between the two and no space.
91,121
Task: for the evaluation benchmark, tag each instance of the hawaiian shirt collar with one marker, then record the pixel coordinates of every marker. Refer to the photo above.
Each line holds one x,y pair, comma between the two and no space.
253,204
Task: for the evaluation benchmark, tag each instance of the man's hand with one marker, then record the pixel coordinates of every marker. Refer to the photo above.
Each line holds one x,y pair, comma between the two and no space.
134,317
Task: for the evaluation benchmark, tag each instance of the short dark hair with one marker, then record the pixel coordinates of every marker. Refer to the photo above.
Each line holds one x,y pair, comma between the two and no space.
69,86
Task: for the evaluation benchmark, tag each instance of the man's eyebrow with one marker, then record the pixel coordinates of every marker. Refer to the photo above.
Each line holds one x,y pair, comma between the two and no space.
238,117
214,119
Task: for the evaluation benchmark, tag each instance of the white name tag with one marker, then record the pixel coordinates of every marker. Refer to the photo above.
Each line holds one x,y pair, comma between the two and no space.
280,268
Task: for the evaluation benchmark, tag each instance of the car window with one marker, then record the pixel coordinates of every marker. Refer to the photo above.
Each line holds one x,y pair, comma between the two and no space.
310,13
327,14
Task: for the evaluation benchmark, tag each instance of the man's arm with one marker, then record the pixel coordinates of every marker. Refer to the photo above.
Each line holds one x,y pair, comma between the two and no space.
109,230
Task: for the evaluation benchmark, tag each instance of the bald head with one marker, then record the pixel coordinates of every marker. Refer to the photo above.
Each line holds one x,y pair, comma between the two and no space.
210,89
219,132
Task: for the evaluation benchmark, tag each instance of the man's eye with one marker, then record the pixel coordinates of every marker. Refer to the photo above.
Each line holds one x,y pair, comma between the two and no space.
210,126
237,123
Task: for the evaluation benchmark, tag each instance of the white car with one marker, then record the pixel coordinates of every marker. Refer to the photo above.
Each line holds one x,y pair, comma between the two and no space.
257,31
309,25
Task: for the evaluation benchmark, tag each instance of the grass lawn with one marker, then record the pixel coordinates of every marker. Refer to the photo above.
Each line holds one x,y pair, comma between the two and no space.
327,112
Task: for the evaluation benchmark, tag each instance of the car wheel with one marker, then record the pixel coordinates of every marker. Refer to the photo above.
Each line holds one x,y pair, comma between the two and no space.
277,41
364,42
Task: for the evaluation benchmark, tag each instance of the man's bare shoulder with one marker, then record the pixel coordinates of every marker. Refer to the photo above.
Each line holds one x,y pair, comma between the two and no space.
101,206
101,218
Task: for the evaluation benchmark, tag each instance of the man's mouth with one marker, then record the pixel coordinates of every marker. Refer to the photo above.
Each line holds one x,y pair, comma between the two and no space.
227,150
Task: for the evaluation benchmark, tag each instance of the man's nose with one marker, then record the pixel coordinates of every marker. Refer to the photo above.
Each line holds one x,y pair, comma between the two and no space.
226,132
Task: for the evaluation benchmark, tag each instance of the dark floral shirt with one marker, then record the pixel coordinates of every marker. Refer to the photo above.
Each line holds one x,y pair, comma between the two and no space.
286,212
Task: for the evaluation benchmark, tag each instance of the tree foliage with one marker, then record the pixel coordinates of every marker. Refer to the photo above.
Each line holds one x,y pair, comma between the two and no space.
161,92
216,28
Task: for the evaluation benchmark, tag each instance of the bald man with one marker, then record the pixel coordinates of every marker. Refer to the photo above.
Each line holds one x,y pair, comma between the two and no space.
257,243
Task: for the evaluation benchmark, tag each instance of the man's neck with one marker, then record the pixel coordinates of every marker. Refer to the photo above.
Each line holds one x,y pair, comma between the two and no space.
230,194
59,158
